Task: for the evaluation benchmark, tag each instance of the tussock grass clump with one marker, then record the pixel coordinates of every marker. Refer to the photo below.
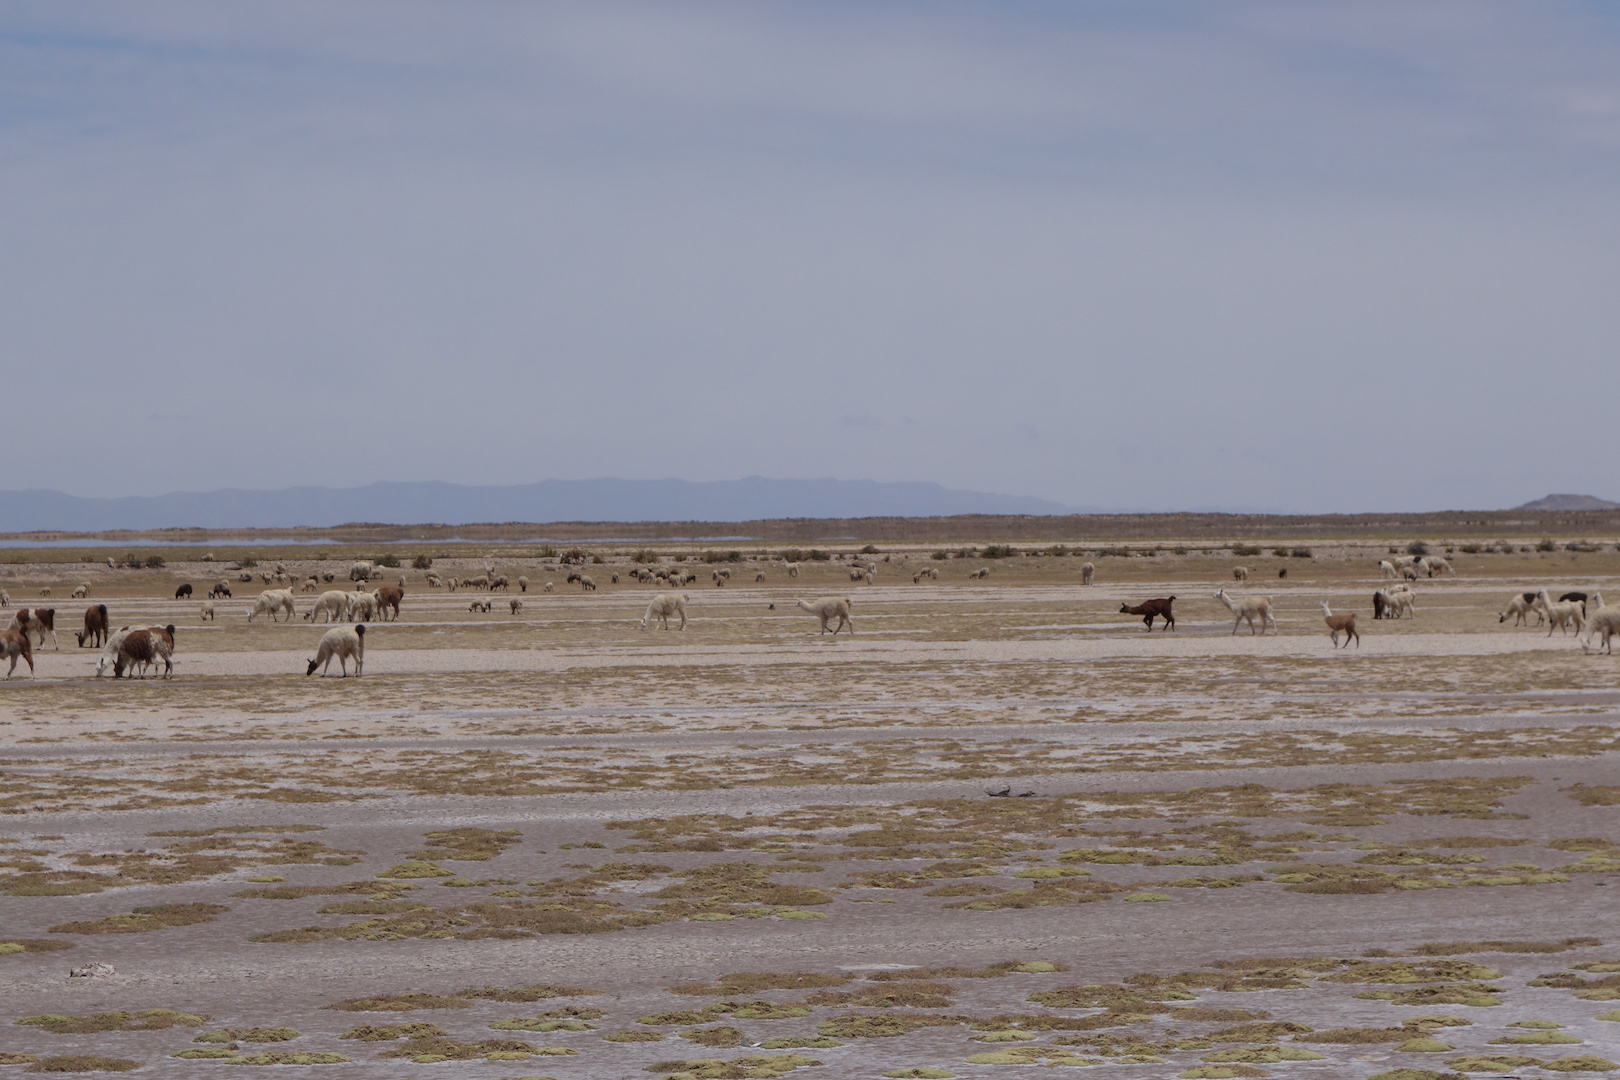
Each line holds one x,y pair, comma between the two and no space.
300,892
1220,1072
1258,1032
1452,948
416,868
1424,1045
273,1057
254,1035
1413,972
991,971
750,1067
910,995
145,1020
427,1051
1414,1074
1537,1038
1269,1055
78,1063
820,1042
1594,794
17,946
467,845
1580,1063
17,1059
856,1026
541,992
1194,1014
633,1036
919,1072
1496,1063
1473,995
1033,1055
375,1033
736,883
400,1003
754,982
55,883
1060,893
1355,1035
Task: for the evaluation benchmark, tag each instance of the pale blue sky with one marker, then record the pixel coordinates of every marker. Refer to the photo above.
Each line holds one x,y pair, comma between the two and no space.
1288,255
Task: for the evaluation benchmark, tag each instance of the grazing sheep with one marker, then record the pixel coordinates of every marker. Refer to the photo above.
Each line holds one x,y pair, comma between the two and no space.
1387,569
523,584
856,573
328,577
5,598
333,603
436,582
244,577
1240,573
95,626
1409,571
479,582
310,584
826,609
82,591
207,611
1283,572
274,602
662,607
1341,624
499,583
1436,565
981,573
388,599
1086,570
1153,609
183,592
39,621
517,605
548,586
266,578
792,568
345,643
361,570
933,573
14,644
1520,607
1565,613
479,605
586,584
46,591
614,578
220,591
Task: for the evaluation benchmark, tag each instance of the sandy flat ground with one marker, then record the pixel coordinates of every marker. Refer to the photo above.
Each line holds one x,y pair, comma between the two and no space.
559,799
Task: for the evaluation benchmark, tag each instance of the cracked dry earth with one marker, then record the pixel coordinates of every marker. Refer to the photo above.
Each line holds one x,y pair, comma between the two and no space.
554,845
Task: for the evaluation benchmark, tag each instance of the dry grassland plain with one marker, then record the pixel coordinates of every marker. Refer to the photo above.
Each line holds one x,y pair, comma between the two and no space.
550,843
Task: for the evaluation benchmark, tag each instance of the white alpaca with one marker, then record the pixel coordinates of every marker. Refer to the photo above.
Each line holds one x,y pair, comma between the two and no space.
1565,613
1387,569
1248,608
826,609
1519,608
208,611
343,642
333,603
1086,570
662,607
792,569
362,607
1436,565
273,602
1240,573
517,605
1602,620
1398,601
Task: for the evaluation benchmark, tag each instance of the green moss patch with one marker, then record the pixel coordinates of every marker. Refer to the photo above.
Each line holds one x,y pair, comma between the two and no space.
1537,1038
382,1033
466,845
1492,1064
1424,1046
1221,1072
1580,1063
856,1026
721,1037
1269,1055
751,1067
633,1036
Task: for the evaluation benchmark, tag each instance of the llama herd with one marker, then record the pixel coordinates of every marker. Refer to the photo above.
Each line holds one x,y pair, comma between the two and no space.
138,651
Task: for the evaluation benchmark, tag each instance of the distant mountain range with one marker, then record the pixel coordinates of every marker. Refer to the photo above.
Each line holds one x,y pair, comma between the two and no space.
1569,502
423,503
